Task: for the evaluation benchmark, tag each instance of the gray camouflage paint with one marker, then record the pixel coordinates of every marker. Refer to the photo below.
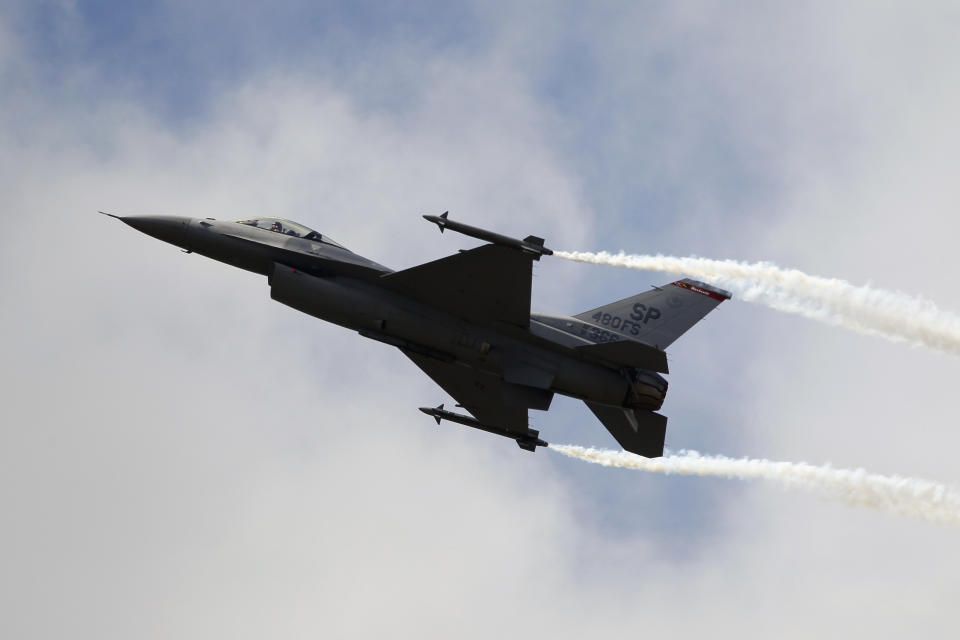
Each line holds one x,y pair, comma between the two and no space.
465,321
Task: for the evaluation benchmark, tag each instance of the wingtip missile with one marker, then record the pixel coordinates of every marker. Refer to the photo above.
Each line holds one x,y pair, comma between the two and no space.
440,220
531,244
528,441
434,412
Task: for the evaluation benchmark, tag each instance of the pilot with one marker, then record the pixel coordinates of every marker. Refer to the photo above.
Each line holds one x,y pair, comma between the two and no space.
277,227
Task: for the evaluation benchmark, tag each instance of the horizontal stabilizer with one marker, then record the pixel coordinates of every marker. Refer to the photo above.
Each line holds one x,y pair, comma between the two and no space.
638,431
628,352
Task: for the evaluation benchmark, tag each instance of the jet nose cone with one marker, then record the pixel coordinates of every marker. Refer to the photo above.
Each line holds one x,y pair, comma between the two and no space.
172,229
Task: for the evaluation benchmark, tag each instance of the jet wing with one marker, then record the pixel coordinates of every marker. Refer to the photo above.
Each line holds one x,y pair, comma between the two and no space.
491,282
477,392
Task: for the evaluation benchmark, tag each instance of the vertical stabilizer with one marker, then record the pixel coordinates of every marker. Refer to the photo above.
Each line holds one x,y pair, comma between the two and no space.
660,316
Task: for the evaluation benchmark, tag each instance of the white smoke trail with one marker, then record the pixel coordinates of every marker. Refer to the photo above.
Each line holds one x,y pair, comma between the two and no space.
894,494
892,315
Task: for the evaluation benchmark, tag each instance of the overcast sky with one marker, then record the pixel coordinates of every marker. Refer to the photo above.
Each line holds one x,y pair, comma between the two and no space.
182,457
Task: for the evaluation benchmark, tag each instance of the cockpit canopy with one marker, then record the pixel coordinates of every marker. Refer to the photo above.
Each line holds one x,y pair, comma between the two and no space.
288,228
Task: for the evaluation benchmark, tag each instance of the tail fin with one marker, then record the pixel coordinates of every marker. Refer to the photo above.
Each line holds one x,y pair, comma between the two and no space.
638,431
660,316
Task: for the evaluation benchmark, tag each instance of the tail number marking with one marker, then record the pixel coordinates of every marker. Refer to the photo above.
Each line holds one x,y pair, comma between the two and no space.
642,314
597,334
645,313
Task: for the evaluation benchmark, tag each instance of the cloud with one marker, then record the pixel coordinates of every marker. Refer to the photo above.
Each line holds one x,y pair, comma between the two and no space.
177,448
181,456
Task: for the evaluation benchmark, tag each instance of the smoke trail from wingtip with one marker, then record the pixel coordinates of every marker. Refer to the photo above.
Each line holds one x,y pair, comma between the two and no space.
892,315
911,497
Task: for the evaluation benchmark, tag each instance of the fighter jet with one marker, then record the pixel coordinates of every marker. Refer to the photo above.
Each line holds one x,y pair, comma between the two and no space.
465,321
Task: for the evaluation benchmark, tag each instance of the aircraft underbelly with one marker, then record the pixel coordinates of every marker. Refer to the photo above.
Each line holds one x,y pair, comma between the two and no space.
465,321
532,372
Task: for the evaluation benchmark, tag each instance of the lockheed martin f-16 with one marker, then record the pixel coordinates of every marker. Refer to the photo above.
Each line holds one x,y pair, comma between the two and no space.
465,321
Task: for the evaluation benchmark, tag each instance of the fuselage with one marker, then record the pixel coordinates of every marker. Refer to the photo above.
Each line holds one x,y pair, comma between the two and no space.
319,277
